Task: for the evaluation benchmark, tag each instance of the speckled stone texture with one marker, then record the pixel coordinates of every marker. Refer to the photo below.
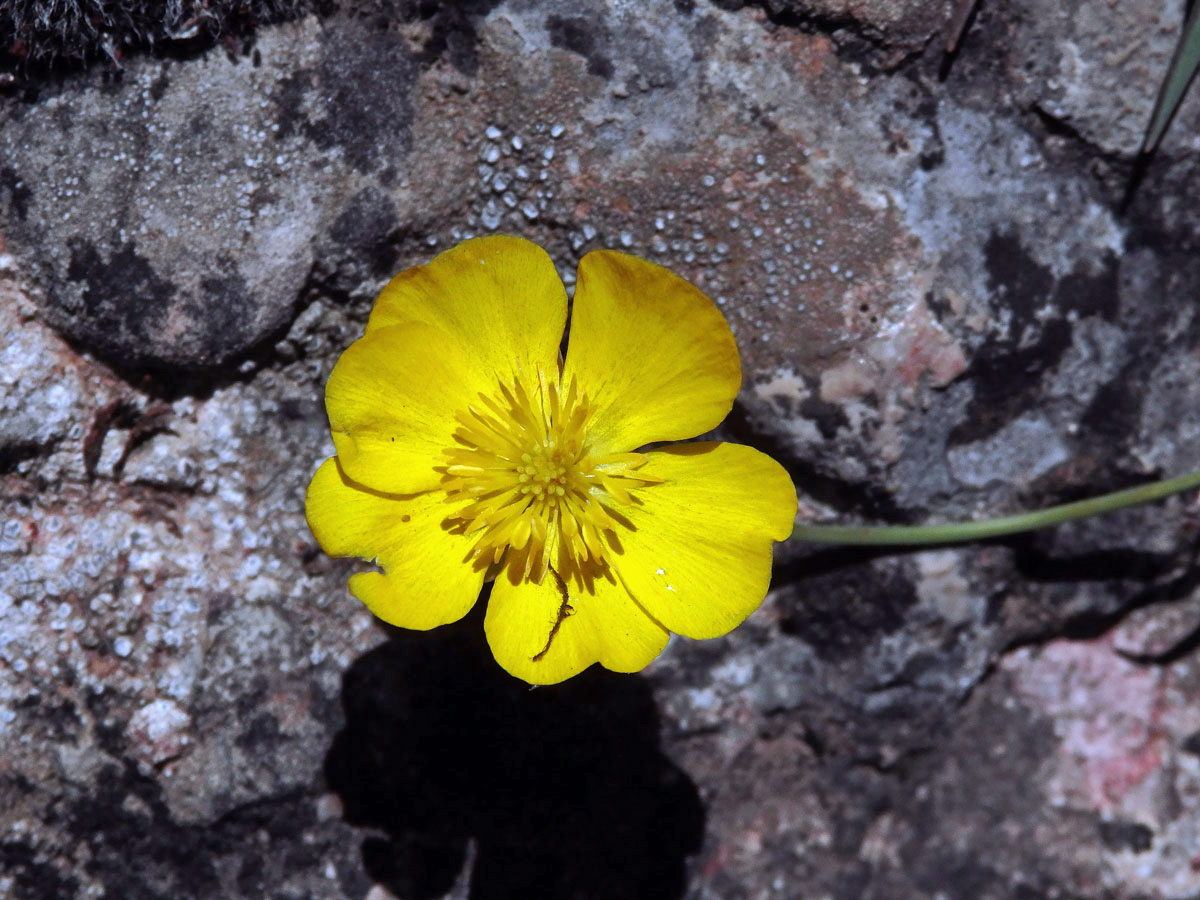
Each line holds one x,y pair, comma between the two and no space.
946,306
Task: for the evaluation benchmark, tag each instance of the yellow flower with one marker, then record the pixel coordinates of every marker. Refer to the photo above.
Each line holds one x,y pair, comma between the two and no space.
467,449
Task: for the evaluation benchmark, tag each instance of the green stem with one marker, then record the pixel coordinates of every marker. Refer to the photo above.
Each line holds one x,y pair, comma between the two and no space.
961,532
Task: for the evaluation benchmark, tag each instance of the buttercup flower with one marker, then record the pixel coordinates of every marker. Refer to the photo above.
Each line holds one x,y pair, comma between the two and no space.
468,449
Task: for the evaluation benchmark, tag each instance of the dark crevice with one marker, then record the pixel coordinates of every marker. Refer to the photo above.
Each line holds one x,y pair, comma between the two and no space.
1058,127
854,40
260,809
1117,175
1179,651
166,384
869,501
1119,566
1036,566
1105,564
961,19
13,454
1176,591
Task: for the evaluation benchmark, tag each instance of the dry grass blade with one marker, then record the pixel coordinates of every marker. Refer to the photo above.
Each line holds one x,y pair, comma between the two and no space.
959,20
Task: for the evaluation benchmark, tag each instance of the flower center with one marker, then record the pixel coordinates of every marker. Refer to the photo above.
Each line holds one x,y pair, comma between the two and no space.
521,477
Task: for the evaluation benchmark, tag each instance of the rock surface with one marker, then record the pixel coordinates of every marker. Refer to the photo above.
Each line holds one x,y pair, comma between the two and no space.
943,309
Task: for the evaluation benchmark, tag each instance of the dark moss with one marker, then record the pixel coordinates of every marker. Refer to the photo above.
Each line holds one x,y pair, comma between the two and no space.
138,851
364,80
1007,373
1116,408
219,312
454,34
261,734
1091,295
42,39
366,228
1016,278
32,878
366,77
114,322
587,36
58,722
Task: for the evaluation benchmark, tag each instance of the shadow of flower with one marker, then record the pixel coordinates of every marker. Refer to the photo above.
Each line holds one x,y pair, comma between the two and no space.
563,789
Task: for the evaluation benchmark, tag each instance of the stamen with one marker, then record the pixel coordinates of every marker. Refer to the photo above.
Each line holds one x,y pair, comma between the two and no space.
520,478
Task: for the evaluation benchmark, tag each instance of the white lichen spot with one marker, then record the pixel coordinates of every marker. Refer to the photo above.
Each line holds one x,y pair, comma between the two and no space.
158,730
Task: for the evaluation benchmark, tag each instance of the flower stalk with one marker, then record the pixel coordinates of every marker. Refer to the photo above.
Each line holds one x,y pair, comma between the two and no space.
964,532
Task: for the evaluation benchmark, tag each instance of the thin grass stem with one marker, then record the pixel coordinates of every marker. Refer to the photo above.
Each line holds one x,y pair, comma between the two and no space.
963,532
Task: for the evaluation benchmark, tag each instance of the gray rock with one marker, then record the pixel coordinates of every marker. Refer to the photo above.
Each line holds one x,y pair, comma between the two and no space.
171,220
1095,68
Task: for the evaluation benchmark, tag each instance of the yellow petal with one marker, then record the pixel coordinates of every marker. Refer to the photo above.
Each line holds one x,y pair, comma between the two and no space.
536,638
698,557
425,581
499,296
391,401
653,354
